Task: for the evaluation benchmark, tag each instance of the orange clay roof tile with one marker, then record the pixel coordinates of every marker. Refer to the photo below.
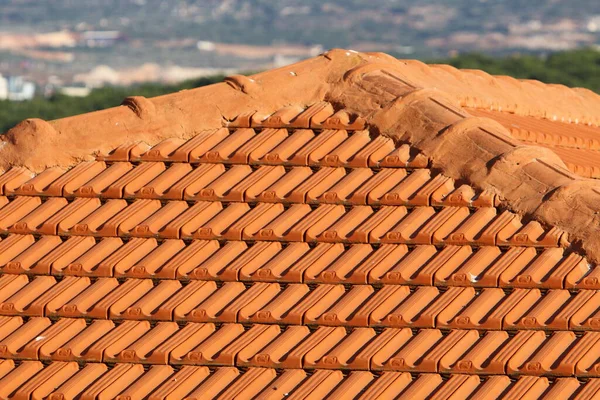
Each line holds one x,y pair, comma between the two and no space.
346,231
323,304
192,381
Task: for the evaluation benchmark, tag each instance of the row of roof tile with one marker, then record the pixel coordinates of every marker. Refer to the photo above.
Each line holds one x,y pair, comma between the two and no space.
274,222
582,162
296,262
242,183
320,115
545,132
323,304
576,144
66,381
561,353
274,147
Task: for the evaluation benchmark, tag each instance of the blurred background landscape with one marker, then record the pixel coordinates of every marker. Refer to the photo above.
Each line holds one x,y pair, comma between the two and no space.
65,57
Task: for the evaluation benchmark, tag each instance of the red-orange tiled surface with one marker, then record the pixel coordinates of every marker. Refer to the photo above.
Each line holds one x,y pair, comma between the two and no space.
279,260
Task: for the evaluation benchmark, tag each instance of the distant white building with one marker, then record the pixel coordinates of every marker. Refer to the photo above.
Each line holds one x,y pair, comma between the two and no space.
18,89
204,45
3,88
75,91
280,60
101,38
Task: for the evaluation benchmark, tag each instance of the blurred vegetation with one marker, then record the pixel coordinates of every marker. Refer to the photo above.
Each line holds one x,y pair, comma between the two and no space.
578,68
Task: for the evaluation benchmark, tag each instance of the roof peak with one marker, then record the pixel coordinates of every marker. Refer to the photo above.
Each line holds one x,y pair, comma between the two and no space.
425,106
37,144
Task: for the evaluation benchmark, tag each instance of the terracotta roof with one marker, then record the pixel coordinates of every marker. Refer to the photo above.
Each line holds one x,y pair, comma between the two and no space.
351,226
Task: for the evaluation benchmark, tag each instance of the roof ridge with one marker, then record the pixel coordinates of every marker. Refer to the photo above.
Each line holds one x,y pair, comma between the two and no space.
38,144
477,89
537,99
529,180
405,100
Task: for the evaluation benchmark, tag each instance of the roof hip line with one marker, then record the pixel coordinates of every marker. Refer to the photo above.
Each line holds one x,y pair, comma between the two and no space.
530,180
408,101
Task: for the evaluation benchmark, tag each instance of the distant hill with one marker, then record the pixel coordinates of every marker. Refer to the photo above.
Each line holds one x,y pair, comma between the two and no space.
402,25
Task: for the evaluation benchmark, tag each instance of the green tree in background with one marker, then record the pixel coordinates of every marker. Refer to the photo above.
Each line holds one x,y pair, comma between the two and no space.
577,68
